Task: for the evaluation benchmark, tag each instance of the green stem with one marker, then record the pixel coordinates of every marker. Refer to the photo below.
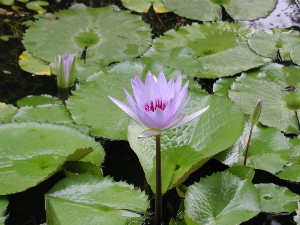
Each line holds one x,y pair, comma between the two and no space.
247,147
158,194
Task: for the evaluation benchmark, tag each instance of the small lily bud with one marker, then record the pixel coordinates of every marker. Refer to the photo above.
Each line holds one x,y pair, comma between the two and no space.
256,112
65,67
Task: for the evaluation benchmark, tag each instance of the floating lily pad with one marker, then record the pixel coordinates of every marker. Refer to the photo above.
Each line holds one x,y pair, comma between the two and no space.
198,51
34,65
7,112
267,42
209,10
144,5
94,200
187,148
278,87
35,100
32,152
3,206
221,199
109,34
269,150
223,85
274,198
295,54
44,114
297,217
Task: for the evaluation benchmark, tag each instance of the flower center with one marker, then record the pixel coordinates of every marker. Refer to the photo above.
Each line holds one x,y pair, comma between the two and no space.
153,105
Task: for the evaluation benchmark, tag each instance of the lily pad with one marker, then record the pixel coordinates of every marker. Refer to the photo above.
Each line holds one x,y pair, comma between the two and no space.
7,111
35,100
144,5
221,199
269,150
187,148
223,85
3,206
274,198
268,42
44,114
278,87
109,34
197,50
90,199
295,54
32,152
34,65
209,10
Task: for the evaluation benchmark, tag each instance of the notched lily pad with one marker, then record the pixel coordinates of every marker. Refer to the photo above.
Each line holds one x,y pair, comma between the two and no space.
197,50
240,200
274,198
32,152
34,65
109,34
278,87
209,10
268,42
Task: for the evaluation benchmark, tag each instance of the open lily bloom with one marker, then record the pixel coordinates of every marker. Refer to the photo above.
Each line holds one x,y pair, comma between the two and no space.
65,66
158,104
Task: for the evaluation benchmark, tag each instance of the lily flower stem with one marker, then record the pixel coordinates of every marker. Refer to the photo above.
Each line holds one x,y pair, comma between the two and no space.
158,194
248,143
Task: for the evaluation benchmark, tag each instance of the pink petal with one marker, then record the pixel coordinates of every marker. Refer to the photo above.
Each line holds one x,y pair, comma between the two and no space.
126,109
191,117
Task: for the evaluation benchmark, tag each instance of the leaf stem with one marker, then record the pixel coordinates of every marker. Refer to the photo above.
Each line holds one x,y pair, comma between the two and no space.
248,143
158,194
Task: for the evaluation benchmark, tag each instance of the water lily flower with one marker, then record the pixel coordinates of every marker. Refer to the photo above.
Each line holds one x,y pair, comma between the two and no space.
65,67
158,104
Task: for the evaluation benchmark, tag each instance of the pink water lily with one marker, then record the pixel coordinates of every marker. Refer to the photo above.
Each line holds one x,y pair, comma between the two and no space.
158,104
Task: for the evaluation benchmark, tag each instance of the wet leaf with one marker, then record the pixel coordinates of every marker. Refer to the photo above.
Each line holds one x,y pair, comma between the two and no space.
209,10
269,83
109,34
274,198
7,111
34,65
32,152
240,201
3,206
90,199
144,5
197,50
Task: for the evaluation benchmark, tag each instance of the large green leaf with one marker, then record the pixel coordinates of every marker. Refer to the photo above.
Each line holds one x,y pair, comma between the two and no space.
269,150
110,35
188,147
268,42
91,106
6,112
270,83
88,199
209,10
274,198
144,5
3,206
198,51
221,199
32,152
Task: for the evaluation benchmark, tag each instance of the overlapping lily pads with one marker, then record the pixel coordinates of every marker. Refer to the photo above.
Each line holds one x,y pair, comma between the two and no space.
188,147
269,150
108,33
198,51
32,152
221,199
144,5
88,199
3,206
209,10
278,87
268,42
